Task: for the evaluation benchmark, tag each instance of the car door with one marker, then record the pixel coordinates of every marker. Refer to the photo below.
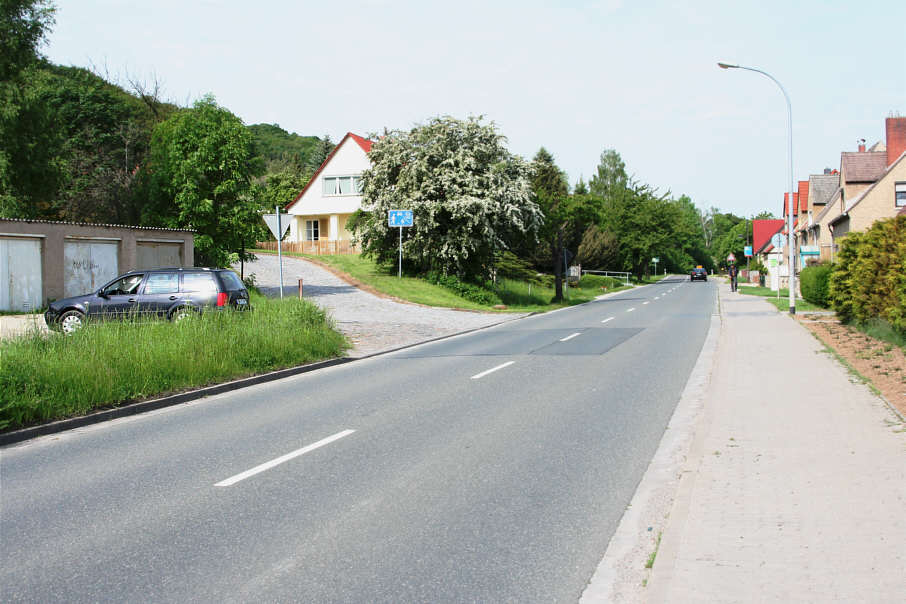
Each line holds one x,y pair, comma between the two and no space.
160,293
118,298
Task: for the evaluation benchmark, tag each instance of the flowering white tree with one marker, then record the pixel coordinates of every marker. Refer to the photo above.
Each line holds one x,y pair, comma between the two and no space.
469,196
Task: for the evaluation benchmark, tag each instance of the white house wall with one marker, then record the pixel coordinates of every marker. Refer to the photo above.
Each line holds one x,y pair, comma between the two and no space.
349,160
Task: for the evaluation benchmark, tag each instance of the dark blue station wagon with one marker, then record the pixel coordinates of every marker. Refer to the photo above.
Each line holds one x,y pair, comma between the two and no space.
171,293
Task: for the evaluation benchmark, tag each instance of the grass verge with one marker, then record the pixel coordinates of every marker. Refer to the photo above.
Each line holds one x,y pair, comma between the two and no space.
783,302
45,377
517,296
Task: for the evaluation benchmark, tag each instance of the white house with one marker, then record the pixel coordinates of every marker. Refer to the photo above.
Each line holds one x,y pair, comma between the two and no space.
319,213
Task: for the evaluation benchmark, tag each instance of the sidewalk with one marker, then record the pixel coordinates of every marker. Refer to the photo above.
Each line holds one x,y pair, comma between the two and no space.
795,486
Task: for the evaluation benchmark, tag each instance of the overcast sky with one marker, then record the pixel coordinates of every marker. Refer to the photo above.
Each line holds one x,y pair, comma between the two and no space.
575,77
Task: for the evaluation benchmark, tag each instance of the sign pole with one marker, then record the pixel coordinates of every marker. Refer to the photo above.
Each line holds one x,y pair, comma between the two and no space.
279,250
400,271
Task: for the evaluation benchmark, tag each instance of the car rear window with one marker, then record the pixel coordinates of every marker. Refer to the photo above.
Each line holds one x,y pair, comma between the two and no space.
198,282
231,280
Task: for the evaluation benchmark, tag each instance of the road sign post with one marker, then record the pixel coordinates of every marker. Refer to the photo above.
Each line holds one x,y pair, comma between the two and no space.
655,260
400,218
278,229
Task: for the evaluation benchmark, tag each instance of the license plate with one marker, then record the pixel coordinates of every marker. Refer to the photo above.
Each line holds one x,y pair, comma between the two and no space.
242,301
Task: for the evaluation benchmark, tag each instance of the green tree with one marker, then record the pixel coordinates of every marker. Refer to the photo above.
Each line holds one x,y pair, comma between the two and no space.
599,249
566,217
643,223
24,25
282,151
470,197
322,149
28,170
610,178
202,165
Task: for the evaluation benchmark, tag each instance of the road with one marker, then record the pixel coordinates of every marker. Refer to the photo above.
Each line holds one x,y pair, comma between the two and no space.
492,466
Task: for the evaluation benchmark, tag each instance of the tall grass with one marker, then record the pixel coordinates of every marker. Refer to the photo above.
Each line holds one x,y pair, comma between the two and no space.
44,377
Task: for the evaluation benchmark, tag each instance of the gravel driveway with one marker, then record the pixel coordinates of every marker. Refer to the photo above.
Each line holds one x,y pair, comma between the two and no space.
371,323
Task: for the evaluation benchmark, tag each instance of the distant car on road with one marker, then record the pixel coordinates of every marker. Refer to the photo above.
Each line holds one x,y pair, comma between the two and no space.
698,273
173,293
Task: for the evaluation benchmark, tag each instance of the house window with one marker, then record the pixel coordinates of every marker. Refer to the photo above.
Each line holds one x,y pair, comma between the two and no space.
900,194
311,230
342,185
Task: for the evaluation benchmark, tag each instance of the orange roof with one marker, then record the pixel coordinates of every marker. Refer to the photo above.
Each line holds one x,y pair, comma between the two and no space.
803,196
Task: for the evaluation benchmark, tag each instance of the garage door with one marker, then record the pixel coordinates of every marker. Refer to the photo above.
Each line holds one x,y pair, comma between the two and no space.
20,274
89,265
158,255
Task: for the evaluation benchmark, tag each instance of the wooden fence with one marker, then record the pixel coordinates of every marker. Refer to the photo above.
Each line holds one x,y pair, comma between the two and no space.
319,248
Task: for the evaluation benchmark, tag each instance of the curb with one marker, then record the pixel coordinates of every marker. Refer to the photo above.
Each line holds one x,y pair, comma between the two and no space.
622,574
16,436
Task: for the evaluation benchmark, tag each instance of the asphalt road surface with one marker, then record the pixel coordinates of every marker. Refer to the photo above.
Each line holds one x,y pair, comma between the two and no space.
493,466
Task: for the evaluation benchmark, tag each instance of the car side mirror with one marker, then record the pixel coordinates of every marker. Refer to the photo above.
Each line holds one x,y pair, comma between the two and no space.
101,294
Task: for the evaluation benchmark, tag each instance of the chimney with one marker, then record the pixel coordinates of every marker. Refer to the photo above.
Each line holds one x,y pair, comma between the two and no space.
861,145
896,138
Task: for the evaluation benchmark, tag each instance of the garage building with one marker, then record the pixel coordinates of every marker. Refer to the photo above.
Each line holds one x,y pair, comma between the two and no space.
42,260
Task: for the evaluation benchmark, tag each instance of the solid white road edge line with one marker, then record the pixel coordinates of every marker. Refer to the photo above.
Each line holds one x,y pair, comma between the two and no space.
607,319
492,370
276,462
571,336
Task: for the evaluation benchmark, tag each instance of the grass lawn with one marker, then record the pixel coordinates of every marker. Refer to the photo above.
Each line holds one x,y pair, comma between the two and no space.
48,376
517,296
783,302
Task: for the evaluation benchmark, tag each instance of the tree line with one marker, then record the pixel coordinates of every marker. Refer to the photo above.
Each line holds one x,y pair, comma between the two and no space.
77,146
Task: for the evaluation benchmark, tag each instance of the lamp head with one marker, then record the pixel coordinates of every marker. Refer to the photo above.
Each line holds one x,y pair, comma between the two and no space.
727,66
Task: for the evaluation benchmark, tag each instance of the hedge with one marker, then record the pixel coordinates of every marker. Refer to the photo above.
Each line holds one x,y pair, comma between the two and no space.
813,282
868,279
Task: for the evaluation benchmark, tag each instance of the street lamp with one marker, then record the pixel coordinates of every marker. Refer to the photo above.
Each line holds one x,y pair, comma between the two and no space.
789,113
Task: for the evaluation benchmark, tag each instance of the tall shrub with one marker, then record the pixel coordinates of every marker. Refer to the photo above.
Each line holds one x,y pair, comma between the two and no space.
814,283
868,280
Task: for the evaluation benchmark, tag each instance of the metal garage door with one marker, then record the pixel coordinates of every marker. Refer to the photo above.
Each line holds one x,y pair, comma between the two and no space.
89,265
157,254
20,274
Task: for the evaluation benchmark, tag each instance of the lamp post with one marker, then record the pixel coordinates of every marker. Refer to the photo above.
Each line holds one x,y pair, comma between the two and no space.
789,113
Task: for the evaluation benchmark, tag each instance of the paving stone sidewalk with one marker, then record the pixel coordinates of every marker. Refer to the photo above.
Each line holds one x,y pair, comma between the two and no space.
372,323
795,487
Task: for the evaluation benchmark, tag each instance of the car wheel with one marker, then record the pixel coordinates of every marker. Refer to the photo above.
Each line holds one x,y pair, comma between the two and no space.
181,314
71,321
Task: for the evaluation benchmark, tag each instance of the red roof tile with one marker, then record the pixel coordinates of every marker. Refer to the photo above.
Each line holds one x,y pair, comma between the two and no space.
762,231
786,202
803,196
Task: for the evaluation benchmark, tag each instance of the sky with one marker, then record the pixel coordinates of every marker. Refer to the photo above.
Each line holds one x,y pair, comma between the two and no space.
576,77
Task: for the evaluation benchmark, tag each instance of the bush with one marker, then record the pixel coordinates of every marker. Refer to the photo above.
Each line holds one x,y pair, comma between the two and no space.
469,291
868,280
813,281
510,266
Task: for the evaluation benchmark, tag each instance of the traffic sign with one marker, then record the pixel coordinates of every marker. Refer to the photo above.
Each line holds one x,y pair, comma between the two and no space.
748,251
273,219
400,218
731,258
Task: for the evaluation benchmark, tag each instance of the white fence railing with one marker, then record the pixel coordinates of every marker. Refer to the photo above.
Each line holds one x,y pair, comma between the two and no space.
619,274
